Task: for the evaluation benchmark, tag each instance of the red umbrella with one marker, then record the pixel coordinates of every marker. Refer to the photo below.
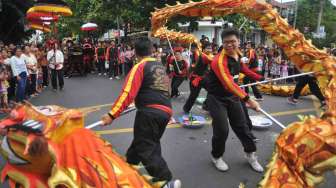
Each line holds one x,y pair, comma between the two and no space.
89,27
41,17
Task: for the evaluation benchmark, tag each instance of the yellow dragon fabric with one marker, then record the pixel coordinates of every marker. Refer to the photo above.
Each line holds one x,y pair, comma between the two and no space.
50,147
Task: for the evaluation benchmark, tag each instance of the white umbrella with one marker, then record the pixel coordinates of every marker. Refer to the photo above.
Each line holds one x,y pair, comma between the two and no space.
89,27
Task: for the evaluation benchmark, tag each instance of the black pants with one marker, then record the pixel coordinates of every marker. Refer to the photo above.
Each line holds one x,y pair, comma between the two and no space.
12,88
57,75
146,148
45,75
120,69
128,66
194,92
113,69
312,83
176,82
222,109
247,116
32,84
101,66
255,90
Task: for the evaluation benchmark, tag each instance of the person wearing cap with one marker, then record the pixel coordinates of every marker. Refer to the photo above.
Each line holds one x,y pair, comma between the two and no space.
224,101
198,69
147,85
254,66
177,70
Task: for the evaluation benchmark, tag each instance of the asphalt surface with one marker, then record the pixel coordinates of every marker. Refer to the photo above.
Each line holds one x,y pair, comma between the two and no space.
186,151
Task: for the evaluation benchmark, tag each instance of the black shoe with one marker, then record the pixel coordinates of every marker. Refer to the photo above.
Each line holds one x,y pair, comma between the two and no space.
173,184
61,88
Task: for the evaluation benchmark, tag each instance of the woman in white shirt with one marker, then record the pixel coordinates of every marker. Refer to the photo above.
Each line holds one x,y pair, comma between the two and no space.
31,63
20,72
56,59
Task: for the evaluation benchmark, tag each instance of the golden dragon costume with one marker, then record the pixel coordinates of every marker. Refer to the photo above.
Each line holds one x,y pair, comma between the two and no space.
306,149
49,147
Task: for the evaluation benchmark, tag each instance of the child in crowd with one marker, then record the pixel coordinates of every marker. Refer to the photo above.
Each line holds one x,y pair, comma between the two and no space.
39,80
3,89
284,70
276,65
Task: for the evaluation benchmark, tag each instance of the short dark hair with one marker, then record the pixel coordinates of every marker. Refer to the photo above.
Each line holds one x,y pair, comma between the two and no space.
229,32
143,47
16,49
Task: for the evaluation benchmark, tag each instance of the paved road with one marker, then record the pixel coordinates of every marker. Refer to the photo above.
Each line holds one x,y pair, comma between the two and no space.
187,151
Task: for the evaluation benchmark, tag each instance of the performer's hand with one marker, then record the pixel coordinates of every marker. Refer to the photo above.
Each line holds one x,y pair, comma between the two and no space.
253,104
106,119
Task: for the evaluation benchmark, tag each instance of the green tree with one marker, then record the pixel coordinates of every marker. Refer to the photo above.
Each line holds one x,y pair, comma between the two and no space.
307,20
133,13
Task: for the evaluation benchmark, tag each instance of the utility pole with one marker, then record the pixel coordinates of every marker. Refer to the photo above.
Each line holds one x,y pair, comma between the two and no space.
281,8
295,13
319,19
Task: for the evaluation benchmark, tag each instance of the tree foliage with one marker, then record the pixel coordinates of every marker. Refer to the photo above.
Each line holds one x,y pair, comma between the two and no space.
12,14
307,20
131,14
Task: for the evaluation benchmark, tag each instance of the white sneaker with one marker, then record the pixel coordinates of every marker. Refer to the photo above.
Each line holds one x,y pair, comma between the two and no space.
117,77
99,74
105,74
253,160
111,78
173,184
220,164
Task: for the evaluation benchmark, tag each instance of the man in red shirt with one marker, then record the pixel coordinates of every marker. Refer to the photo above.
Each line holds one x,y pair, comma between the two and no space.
147,85
224,101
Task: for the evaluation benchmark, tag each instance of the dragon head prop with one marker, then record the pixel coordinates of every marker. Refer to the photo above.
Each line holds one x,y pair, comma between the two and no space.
50,147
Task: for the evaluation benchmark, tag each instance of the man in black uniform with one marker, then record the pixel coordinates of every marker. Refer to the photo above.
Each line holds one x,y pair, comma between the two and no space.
147,84
313,86
177,70
199,67
224,101
251,54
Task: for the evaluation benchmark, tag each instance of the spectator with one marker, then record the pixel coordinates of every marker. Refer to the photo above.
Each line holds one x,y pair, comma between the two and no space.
55,58
43,65
3,87
129,59
20,72
31,63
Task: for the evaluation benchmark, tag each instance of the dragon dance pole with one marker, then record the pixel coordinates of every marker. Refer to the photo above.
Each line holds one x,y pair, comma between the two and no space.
276,79
272,118
189,54
98,123
172,50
